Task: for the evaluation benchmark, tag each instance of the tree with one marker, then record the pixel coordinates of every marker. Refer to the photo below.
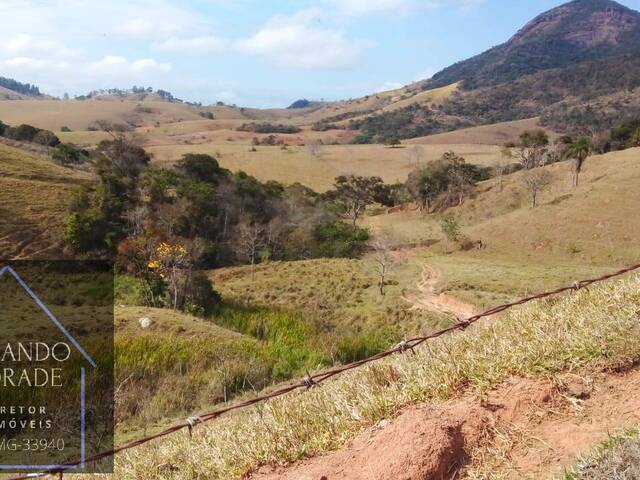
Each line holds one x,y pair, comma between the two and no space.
352,194
535,181
422,187
578,151
506,156
416,155
533,146
383,258
200,168
249,240
129,159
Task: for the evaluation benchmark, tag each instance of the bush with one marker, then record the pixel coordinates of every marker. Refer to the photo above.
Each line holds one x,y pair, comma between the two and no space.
451,228
337,239
268,128
46,138
3,128
84,232
65,129
201,298
23,133
69,154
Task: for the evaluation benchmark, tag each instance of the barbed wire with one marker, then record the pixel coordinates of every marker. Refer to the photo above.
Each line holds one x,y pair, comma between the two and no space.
310,381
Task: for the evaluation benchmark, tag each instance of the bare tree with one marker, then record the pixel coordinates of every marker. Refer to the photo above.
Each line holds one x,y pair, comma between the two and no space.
383,258
416,155
506,157
136,219
249,241
314,148
535,181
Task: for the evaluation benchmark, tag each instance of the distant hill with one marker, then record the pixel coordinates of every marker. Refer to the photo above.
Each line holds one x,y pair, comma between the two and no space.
572,33
304,103
575,66
18,87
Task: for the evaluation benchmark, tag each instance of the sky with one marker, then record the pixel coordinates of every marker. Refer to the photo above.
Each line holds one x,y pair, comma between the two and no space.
254,53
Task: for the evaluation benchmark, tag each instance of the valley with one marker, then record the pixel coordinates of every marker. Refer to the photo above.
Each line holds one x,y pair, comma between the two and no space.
254,247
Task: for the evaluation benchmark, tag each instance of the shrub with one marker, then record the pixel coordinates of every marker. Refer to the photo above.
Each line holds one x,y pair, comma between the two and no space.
69,154
450,227
46,138
65,129
268,128
23,133
337,239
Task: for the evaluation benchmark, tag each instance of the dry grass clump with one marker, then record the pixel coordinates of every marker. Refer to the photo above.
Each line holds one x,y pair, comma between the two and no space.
618,458
595,326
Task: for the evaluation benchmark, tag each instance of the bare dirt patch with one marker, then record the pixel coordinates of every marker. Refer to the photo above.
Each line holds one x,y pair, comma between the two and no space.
425,297
524,429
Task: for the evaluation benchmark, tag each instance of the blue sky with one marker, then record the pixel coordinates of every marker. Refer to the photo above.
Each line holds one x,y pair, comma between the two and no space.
249,52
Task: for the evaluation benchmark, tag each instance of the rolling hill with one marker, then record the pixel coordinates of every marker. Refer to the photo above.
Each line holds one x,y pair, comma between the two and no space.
34,196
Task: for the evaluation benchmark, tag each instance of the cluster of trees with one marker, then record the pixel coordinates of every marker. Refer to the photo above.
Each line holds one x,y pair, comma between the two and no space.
167,225
18,87
445,182
29,133
535,150
268,128
324,126
409,122
135,90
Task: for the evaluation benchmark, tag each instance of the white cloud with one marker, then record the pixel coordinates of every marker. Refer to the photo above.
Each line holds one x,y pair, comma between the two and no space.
114,65
197,45
359,8
368,7
298,41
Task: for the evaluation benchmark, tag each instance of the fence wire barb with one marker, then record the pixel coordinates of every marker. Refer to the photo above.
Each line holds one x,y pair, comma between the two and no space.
313,380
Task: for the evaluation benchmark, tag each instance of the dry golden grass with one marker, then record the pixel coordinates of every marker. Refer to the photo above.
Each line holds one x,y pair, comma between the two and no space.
497,134
34,194
573,233
618,458
78,115
595,326
296,164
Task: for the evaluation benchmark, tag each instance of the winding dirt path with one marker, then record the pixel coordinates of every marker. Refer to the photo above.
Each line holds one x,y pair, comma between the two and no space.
426,298
524,429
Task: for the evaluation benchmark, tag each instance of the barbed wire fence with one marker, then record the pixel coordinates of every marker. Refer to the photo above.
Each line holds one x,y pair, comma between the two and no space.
310,381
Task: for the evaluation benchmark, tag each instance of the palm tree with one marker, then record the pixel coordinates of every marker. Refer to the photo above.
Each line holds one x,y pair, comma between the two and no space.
578,151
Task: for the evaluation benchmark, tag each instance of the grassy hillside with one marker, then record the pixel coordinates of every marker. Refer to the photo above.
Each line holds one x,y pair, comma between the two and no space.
297,164
496,134
571,234
598,326
79,115
34,195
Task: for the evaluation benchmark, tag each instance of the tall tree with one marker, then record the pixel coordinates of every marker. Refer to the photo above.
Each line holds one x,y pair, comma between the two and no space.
352,194
533,146
578,151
